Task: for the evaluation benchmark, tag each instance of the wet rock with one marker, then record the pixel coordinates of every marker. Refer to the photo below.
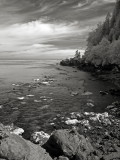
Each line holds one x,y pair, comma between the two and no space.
114,108
18,131
62,158
14,147
76,115
90,104
45,107
74,93
70,144
37,101
30,95
39,137
45,83
72,121
102,118
87,93
36,80
12,129
85,123
21,98
103,93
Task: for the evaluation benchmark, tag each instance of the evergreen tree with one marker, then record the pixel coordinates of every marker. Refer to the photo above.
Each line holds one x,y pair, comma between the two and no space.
106,25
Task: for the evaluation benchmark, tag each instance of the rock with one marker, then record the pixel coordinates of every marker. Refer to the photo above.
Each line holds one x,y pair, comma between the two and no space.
45,107
87,93
62,158
85,123
14,147
76,115
45,83
89,113
21,98
90,104
74,93
39,137
18,131
36,80
103,92
13,129
70,144
37,101
30,95
72,121
114,108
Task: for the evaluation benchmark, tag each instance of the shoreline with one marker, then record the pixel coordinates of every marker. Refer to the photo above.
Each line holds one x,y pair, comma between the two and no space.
66,98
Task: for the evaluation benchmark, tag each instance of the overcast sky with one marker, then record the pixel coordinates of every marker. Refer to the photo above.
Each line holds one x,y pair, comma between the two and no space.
36,29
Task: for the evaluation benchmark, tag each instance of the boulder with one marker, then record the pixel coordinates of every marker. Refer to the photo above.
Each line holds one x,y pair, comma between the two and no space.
14,147
70,144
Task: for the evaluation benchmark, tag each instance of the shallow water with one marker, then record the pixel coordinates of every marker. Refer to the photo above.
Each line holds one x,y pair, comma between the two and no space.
33,106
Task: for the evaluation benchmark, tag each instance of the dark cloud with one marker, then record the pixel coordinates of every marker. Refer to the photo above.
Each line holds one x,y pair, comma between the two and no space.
54,24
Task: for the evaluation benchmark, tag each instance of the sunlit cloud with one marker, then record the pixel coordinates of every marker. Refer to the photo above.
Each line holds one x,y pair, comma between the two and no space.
31,29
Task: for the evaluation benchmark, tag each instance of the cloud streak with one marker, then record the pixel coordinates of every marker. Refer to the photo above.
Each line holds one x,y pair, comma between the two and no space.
44,28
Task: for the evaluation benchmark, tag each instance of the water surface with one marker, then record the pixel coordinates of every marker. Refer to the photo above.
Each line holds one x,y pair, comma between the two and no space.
42,103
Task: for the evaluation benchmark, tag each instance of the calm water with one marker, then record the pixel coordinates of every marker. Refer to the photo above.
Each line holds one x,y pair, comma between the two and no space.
38,112
22,70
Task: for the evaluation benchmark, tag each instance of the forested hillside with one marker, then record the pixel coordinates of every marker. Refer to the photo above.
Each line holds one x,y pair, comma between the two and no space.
103,43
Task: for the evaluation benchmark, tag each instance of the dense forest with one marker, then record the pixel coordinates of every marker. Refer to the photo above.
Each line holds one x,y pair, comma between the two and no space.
103,43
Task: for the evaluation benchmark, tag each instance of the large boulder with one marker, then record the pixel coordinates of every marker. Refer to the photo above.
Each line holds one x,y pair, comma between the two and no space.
14,147
70,144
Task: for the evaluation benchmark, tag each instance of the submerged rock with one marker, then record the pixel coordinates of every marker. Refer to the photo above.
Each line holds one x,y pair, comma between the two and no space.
74,93
103,93
90,104
86,93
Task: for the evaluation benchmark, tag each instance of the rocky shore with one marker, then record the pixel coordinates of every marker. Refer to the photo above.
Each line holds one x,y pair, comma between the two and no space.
64,115
90,136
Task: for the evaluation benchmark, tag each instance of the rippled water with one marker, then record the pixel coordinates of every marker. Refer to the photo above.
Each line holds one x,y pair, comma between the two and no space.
32,105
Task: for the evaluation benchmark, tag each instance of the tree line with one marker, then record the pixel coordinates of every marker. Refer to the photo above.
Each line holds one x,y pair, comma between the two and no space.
103,43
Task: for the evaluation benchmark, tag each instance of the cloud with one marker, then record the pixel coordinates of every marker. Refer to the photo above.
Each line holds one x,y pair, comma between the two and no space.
29,39
31,28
